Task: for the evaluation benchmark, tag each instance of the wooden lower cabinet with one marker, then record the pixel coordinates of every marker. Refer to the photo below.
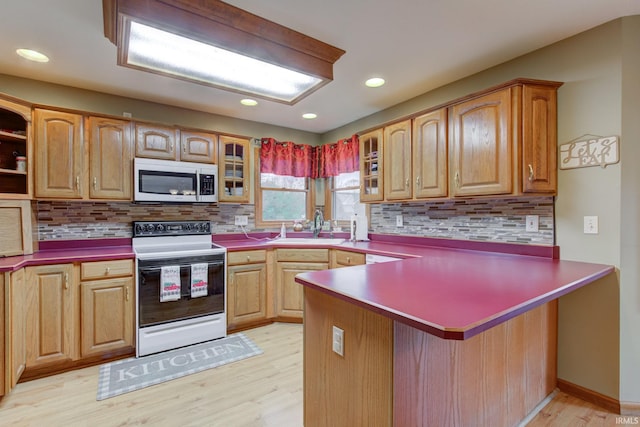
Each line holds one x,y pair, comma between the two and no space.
52,315
290,262
340,258
247,295
17,316
107,308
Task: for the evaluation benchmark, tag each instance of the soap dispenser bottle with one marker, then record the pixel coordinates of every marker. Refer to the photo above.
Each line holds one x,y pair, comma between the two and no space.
283,231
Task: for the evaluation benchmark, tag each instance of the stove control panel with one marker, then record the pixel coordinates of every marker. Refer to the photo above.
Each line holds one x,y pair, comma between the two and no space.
170,228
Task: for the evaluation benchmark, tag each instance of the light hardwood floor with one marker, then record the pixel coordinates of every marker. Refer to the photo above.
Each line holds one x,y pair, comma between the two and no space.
261,391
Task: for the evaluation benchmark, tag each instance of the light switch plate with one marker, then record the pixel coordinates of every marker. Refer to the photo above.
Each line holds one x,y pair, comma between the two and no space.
532,223
338,341
399,221
242,220
590,225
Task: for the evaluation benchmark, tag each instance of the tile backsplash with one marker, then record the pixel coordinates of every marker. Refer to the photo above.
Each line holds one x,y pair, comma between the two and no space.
499,220
95,220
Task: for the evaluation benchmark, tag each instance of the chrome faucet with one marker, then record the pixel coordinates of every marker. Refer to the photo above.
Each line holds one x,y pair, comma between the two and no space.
318,222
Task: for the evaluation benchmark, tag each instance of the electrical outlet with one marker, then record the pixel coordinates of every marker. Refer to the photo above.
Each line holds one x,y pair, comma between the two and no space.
399,221
590,225
338,341
126,114
532,223
242,220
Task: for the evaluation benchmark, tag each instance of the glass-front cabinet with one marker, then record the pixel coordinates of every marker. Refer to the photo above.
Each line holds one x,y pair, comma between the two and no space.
15,156
371,166
233,169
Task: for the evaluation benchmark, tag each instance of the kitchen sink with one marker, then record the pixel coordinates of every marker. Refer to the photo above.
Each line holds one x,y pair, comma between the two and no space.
308,241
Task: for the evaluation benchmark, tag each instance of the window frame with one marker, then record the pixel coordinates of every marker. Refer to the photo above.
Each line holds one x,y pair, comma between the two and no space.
259,222
329,200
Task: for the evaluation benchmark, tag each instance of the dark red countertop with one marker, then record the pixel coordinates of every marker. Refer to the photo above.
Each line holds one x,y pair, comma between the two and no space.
64,251
453,293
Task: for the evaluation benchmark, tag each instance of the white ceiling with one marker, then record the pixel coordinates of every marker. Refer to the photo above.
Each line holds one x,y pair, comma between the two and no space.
416,45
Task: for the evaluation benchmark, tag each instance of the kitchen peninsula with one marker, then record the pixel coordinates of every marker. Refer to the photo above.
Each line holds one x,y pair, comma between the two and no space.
452,337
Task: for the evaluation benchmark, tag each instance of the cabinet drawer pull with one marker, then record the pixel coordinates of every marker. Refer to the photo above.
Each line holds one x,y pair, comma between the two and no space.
184,147
77,182
107,270
171,146
348,260
406,182
248,258
456,180
66,280
530,173
417,180
127,294
95,182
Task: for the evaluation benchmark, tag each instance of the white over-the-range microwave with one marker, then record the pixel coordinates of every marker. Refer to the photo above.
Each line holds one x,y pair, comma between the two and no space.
172,181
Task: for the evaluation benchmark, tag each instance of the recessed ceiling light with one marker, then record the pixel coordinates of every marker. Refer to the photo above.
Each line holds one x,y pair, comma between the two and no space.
309,115
32,55
249,102
374,82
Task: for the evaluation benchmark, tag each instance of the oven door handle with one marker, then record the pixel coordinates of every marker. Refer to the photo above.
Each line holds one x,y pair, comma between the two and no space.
159,267
183,254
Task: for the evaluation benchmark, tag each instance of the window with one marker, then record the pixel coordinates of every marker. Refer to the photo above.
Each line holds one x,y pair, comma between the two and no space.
281,198
343,195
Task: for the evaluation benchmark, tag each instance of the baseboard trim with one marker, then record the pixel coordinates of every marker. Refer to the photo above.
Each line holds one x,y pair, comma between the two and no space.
605,402
630,408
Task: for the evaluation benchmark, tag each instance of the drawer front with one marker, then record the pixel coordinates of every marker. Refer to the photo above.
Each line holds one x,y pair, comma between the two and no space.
246,257
304,255
349,258
106,269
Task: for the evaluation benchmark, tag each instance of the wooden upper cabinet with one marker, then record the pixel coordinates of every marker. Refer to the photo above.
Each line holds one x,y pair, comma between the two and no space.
233,170
430,154
156,141
397,161
110,155
198,147
59,154
481,145
371,166
539,136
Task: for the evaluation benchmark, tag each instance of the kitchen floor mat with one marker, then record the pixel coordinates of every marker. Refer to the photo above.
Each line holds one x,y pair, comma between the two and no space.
123,376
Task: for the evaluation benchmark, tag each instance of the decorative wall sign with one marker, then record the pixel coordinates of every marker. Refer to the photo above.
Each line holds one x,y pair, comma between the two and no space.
589,150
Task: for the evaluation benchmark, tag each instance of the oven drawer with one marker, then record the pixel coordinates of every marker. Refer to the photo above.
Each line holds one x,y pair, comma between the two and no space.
106,269
246,257
303,255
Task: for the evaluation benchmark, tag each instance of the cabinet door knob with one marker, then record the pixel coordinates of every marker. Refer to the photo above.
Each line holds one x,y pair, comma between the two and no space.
406,182
127,293
418,180
184,147
456,179
77,182
248,258
66,280
530,173
171,146
348,260
95,182
107,270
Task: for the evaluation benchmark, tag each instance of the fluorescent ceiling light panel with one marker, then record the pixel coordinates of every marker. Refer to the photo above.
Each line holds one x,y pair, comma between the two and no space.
168,53
213,43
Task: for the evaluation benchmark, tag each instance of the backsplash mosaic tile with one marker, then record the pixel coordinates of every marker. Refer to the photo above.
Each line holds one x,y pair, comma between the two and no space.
96,220
499,220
